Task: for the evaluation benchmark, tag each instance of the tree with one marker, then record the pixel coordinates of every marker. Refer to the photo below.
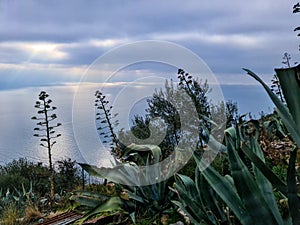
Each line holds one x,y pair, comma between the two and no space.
68,176
139,129
18,173
160,106
198,93
45,130
228,108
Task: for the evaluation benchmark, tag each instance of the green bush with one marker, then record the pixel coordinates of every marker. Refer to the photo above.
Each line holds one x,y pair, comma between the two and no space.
67,176
21,172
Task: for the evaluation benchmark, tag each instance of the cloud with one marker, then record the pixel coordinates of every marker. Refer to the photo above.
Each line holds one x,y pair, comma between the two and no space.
66,36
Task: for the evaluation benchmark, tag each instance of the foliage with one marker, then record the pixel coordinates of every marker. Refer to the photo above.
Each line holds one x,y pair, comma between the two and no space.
142,154
168,126
140,128
67,176
22,172
280,172
26,185
197,91
150,200
138,201
12,204
140,132
45,130
107,202
10,215
290,82
244,190
153,199
32,213
247,188
189,168
273,127
160,106
198,200
224,115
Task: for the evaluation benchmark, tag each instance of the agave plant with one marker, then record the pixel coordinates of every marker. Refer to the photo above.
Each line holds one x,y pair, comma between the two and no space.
241,191
198,200
24,197
290,83
150,199
249,195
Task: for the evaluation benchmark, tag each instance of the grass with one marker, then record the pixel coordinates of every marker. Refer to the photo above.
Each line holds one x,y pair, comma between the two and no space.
10,214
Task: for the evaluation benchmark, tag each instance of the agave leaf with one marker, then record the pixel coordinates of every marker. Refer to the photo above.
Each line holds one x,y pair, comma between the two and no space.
212,143
199,216
87,198
216,145
280,127
86,201
130,173
190,203
91,194
264,185
247,189
293,199
199,186
210,198
114,204
224,189
189,185
290,85
121,173
137,197
283,111
132,216
276,182
194,195
154,149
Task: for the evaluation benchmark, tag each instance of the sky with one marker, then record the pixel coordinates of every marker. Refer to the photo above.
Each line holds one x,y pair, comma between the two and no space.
53,42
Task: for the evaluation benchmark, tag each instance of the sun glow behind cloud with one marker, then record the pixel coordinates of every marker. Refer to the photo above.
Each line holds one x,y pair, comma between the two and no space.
63,43
46,51
37,50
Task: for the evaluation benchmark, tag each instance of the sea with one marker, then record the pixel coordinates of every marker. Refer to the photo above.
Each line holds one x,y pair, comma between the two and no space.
17,127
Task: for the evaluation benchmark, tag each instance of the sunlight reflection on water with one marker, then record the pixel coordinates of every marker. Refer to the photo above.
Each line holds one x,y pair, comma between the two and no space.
17,107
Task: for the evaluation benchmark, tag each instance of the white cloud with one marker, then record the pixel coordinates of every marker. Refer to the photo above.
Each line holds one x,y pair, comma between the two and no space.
44,51
106,43
234,40
227,35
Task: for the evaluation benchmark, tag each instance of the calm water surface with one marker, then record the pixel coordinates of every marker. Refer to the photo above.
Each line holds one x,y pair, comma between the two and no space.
17,108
